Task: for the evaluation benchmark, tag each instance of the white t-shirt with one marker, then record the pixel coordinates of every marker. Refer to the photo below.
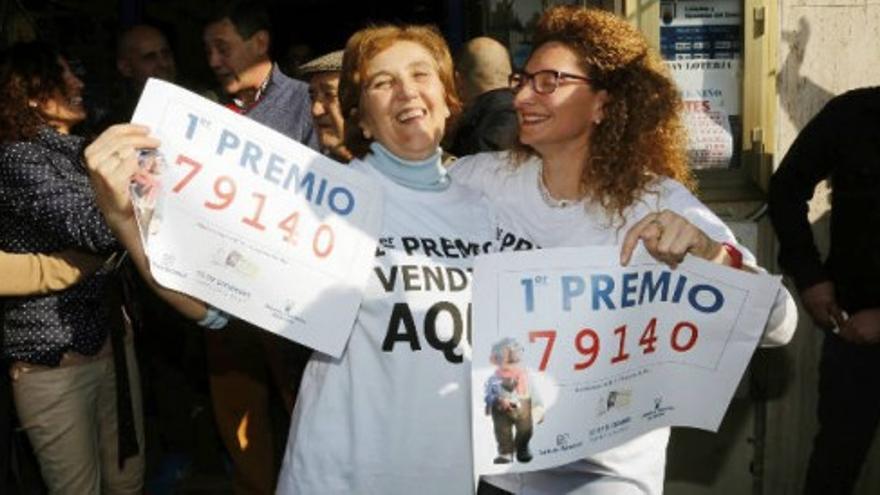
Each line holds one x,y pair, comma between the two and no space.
392,414
637,466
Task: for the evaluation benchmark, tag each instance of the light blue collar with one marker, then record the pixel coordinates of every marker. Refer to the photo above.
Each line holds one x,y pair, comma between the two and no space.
424,175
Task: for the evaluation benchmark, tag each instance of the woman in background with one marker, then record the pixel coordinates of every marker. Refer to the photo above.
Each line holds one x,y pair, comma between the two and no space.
62,362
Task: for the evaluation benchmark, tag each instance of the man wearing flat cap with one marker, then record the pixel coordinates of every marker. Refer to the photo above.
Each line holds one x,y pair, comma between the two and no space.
323,76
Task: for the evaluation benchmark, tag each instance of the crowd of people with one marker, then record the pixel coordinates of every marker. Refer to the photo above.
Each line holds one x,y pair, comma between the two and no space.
584,145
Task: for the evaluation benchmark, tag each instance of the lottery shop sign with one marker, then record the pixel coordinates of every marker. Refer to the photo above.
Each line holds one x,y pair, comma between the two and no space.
574,354
253,222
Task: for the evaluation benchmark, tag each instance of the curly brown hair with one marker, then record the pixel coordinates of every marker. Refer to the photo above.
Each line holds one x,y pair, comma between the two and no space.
366,44
641,136
29,71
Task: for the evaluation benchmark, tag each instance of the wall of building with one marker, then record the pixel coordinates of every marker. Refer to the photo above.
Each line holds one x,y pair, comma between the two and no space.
826,47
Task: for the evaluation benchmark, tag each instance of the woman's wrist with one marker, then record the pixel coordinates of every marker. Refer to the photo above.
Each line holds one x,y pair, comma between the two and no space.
709,249
726,254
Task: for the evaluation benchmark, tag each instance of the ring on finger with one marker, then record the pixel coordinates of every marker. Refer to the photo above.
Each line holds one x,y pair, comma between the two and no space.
657,223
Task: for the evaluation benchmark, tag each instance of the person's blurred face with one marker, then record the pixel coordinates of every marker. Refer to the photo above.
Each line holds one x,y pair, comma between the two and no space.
234,59
564,117
403,104
64,109
147,55
324,91
509,362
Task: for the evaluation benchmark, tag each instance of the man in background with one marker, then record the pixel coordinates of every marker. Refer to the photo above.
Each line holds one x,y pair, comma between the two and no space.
841,294
254,374
237,43
488,122
323,74
142,52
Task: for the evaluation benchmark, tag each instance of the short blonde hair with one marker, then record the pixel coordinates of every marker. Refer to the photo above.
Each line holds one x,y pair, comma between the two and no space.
366,44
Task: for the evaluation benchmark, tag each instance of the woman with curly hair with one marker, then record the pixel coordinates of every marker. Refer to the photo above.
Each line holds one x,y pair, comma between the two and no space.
62,363
601,161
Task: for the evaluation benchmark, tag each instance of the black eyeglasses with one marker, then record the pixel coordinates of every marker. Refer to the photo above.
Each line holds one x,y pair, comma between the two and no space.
543,82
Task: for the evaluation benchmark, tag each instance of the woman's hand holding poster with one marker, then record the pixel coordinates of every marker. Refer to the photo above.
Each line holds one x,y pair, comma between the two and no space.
574,354
252,222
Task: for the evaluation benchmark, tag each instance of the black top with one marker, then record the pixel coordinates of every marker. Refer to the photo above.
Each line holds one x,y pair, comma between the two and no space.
841,142
489,124
47,204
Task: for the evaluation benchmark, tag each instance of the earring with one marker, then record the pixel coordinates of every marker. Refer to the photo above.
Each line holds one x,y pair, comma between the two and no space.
32,104
597,121
367,134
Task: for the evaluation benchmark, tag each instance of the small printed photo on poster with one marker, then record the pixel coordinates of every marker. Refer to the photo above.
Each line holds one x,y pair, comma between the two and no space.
513,403
145,188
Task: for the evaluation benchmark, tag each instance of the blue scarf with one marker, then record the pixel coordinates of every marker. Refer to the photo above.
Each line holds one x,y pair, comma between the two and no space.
424,175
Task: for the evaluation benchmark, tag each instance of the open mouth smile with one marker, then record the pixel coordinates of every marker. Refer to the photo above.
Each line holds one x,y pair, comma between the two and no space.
411,114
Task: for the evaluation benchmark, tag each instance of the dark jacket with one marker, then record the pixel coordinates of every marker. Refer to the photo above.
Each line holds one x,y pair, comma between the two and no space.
489,124
47,204
841,142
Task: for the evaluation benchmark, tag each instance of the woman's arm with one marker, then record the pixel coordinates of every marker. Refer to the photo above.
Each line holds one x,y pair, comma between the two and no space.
669,237
112,161
35,274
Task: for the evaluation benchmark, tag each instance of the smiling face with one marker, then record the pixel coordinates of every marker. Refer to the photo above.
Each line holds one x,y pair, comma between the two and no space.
565,118
64,109
240,65
403,102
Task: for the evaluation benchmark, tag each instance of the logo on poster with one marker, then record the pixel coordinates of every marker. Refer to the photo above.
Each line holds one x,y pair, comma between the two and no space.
562,440
658,411
614,399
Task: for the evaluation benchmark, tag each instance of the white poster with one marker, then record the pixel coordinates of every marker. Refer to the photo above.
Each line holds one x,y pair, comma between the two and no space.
574,354
252,222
